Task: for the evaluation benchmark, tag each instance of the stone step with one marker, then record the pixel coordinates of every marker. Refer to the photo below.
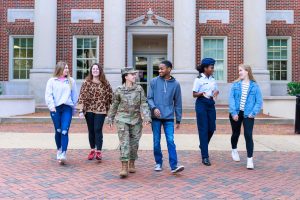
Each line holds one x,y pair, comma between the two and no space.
185,120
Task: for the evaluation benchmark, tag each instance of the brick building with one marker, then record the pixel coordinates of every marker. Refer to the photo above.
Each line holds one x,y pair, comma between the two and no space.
34,34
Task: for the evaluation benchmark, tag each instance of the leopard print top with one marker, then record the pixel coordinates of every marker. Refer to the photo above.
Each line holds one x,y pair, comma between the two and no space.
95,97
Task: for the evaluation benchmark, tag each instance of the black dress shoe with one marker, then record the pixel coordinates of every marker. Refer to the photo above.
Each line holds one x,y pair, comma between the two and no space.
206,162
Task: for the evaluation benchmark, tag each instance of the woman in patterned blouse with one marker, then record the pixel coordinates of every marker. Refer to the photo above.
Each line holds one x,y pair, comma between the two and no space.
94,102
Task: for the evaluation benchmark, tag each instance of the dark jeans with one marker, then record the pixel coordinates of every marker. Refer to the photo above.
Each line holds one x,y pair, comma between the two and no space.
62,120
248,124
168,126
206,122
95,124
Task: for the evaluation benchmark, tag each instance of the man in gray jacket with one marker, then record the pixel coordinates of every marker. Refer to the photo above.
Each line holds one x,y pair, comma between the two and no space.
165,100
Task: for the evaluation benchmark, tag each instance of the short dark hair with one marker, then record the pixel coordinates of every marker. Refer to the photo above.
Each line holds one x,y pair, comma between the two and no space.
200,68
167,64
123,78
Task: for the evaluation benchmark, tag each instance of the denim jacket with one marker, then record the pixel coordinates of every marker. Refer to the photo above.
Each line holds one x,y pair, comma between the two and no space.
253,103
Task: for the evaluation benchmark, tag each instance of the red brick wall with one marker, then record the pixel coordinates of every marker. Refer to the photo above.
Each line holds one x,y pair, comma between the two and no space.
136,8
279,28
233,31
66,30
20,27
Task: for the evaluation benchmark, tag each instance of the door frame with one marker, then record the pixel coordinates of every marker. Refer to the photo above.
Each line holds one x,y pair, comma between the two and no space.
148,31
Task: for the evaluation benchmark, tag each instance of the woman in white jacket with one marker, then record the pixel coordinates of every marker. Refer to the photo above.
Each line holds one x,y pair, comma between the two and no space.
61,97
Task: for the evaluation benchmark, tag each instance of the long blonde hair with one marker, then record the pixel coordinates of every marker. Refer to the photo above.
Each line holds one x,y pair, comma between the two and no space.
249,70
59,70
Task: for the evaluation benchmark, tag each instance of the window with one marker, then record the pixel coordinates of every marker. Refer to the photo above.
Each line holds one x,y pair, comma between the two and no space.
278,59
22,57
86,51
215,48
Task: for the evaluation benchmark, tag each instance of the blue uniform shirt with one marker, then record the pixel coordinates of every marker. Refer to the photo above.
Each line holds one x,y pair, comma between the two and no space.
205,84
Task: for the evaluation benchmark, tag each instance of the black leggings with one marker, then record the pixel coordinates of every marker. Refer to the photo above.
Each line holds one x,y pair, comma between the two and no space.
248,124
95,124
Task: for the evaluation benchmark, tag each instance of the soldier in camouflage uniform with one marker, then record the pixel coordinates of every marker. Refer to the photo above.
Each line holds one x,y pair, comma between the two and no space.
129,109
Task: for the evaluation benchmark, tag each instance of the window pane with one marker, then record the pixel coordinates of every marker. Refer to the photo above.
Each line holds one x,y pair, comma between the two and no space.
16,53
23,42
220,44
30,42
284,75
16,74
17,64
23,64
22,53
220,54
87,43
271,75
23,74
79,64
283,65
79,43
29,64
29,53
80,53
276,65
270,65
276,75
17,42
206,44
283,43
283,54
94,43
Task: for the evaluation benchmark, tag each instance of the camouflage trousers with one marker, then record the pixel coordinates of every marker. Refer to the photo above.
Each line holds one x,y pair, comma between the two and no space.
129,137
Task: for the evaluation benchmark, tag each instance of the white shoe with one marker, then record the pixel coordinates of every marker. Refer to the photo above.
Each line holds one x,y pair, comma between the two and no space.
58,154
235,155
158,167
178,169
250,164
63,158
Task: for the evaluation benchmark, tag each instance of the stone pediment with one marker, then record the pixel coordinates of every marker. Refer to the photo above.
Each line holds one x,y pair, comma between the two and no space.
150,20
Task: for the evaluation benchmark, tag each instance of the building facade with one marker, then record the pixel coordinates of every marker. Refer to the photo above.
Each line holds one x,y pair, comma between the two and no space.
35,34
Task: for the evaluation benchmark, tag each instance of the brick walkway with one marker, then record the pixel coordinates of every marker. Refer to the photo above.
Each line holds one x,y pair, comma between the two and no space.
259,129
35,174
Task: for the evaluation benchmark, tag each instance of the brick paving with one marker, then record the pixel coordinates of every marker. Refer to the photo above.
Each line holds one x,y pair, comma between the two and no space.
34,174
259,129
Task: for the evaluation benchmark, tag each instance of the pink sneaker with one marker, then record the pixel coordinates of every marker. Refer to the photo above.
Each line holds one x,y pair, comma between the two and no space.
98,155
91,155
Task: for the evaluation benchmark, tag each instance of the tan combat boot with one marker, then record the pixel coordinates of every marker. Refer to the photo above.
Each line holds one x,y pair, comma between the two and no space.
131,166
124,171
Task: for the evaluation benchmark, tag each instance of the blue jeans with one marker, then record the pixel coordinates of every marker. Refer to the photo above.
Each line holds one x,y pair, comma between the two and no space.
62,120
169,132
206,122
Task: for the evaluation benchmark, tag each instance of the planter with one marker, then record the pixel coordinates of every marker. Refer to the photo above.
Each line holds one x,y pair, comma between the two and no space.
11,105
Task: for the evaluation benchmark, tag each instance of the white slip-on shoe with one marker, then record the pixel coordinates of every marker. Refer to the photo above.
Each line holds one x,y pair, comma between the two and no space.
158,168
235,155
250,164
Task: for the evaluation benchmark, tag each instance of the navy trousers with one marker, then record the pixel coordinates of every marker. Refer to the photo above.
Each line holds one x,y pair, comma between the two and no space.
206,122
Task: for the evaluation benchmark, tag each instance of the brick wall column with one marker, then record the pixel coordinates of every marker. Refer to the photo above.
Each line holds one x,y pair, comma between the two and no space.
44,52
114,39
255,42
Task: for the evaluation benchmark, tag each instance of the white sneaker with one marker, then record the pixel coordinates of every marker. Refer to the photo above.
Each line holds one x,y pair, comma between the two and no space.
158,167
58,154
178,169
235,155
250,164
63,158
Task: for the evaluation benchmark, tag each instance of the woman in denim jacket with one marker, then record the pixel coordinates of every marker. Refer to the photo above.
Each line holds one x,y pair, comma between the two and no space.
245,102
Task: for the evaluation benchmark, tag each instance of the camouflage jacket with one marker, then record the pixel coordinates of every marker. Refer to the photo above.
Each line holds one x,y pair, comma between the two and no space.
129,105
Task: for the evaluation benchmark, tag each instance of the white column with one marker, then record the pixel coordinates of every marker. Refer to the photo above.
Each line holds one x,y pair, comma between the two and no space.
255,41
114,39
184,34
44,53
185,47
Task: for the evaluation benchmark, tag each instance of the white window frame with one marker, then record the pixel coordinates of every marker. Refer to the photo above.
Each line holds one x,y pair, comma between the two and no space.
74,62
289,57
11,56
225,54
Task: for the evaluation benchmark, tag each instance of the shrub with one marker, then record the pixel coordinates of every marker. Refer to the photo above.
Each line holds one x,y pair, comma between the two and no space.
293,88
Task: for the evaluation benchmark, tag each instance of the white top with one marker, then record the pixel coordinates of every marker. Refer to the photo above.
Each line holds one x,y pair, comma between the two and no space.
245,87
205,84
59,92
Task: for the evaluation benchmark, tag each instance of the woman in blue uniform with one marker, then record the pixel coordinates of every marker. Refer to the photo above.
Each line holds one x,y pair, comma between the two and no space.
205,90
